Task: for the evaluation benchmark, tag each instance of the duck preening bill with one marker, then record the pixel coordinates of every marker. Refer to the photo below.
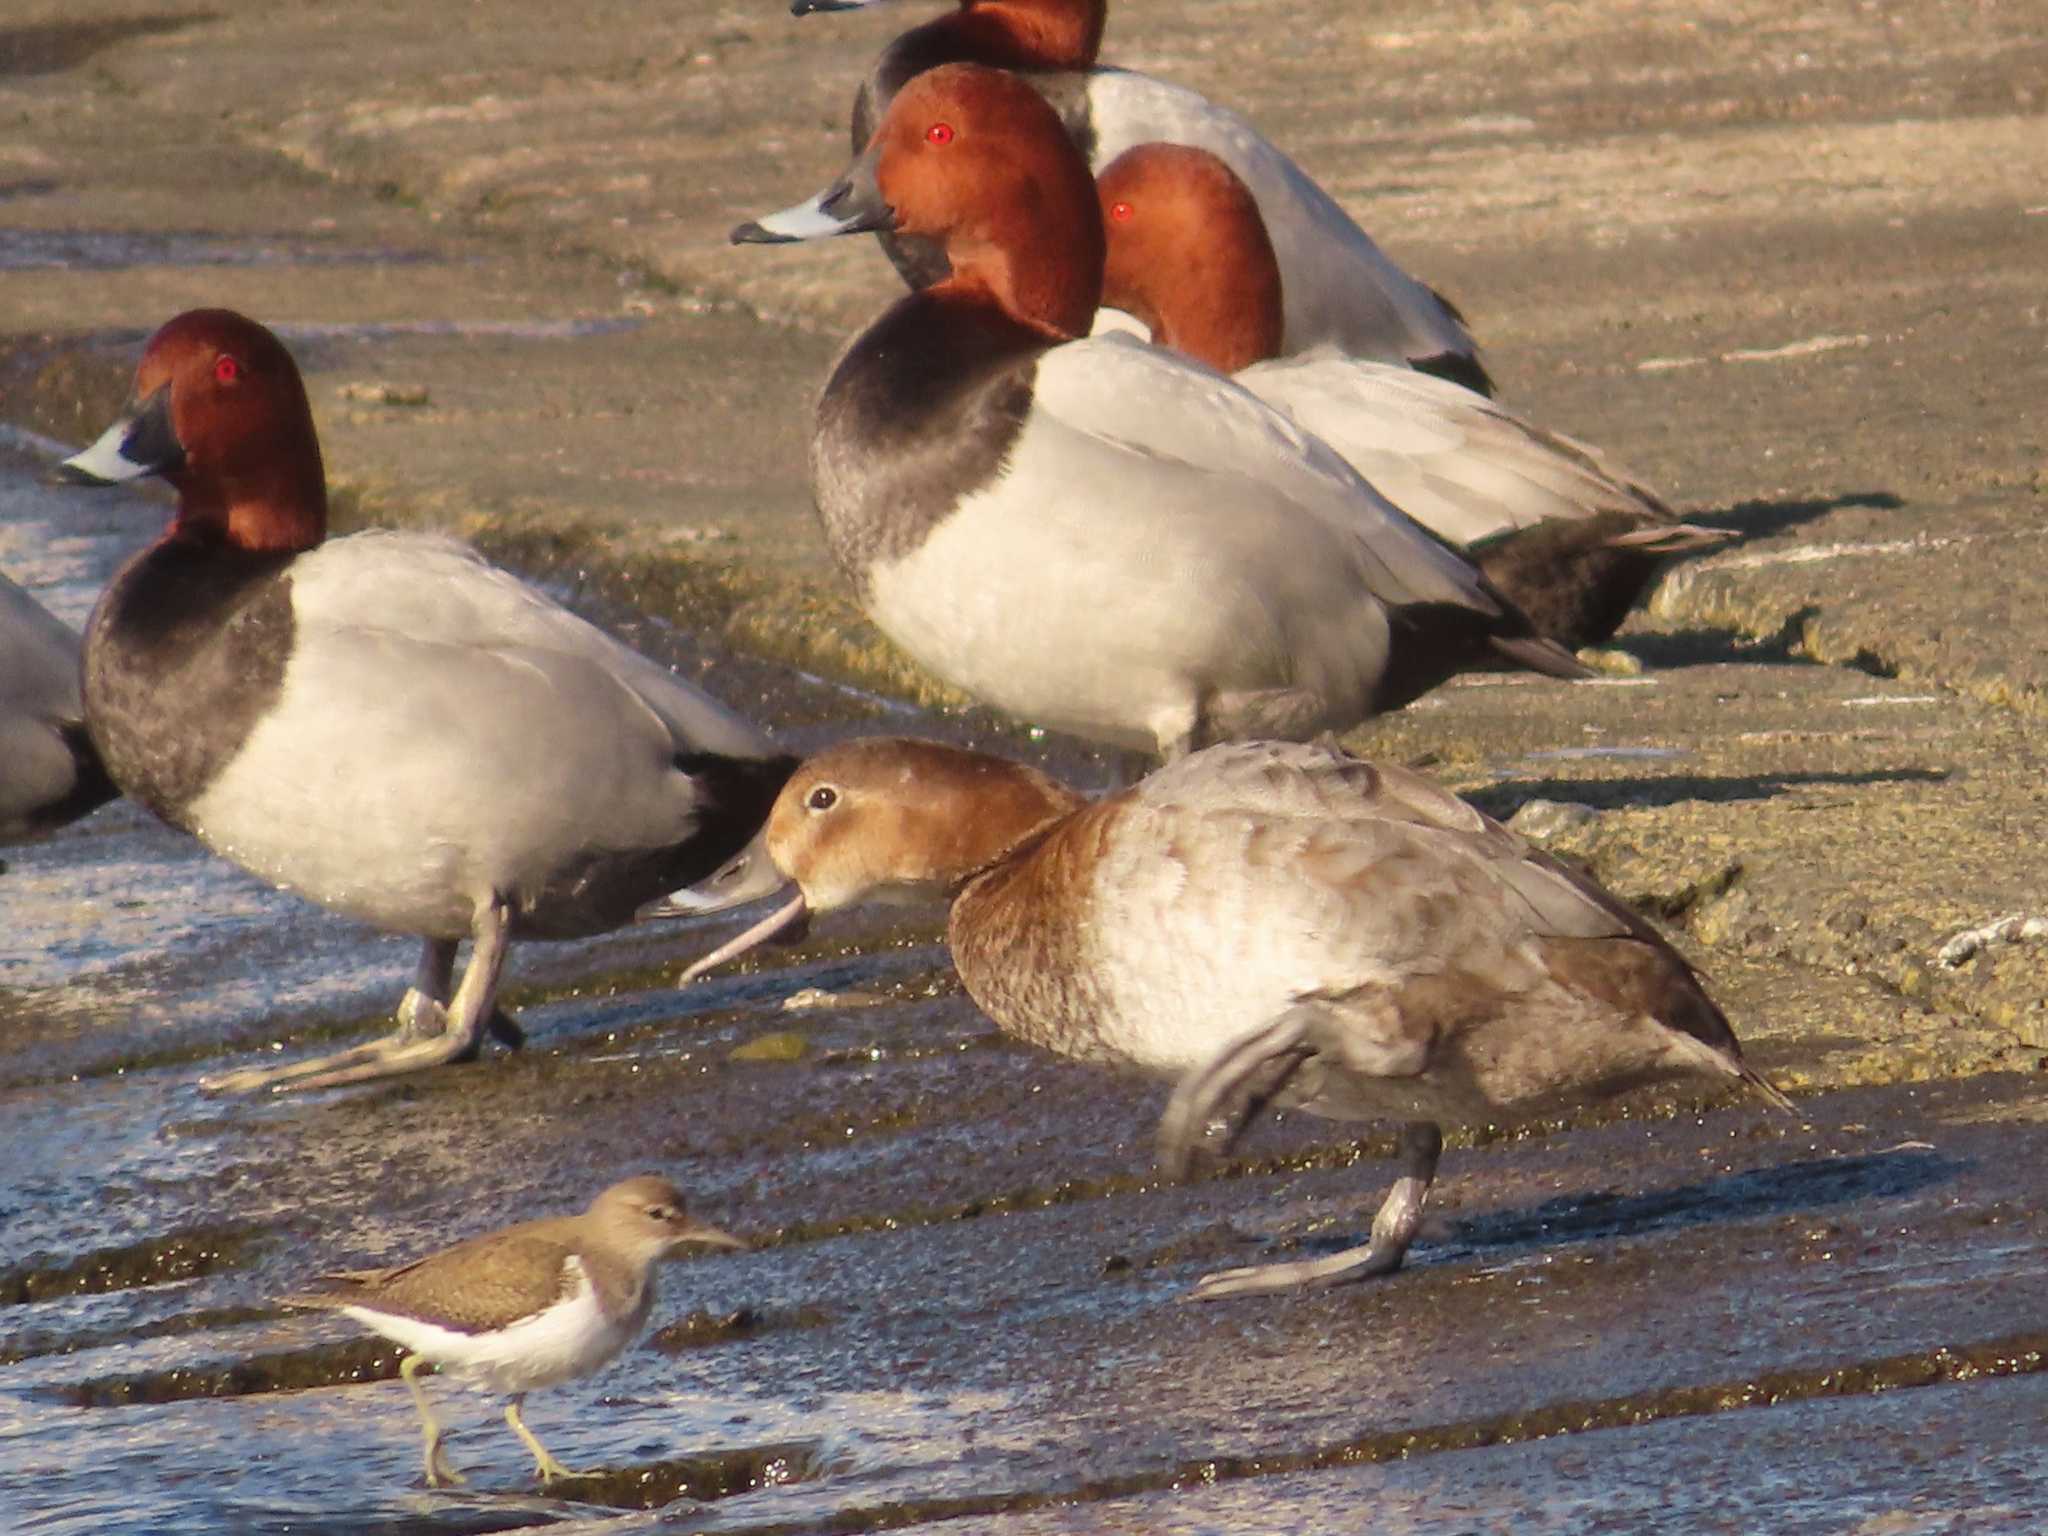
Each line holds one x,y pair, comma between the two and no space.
1264,924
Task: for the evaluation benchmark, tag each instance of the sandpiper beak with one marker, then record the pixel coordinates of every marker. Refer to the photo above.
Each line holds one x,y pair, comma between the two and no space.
709,1236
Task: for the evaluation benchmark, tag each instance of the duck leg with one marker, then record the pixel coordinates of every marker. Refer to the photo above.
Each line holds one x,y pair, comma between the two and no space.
1393,1229
1233,1085
543,1460
418,1043
439,1473
423,1011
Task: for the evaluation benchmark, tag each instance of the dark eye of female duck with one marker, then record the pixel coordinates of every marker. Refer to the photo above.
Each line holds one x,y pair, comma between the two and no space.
823,798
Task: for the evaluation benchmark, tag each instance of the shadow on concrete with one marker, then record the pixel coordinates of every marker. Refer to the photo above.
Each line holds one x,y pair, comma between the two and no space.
1762,517
52,47
1811,1184
1504,798
1669,650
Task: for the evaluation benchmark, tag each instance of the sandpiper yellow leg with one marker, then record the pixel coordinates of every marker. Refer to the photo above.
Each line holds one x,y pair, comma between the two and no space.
439,1473
545,1463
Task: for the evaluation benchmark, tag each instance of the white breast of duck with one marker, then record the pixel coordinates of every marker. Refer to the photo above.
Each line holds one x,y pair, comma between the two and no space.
394,729
1460,971
1105,540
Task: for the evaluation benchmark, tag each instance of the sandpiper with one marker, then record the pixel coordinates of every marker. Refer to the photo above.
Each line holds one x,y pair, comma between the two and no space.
526,1306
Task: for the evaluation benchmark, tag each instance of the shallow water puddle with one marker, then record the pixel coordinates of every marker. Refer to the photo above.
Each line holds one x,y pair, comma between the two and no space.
95,250
965,1294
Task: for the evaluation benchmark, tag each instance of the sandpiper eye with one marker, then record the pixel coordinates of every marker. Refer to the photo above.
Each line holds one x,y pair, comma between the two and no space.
939,133
823,798
1120,211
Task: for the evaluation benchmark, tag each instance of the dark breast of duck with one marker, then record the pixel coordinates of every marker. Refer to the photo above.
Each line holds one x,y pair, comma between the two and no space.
185,652
919,413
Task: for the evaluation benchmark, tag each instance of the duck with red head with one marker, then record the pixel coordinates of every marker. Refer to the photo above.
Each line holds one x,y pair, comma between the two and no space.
1570,537
384,723
1342,289
1263,923
1087,532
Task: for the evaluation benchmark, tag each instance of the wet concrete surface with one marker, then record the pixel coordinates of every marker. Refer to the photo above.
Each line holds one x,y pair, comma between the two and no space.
1786,264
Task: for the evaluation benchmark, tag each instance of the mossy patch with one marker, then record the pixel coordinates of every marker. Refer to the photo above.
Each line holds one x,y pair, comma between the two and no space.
154,1261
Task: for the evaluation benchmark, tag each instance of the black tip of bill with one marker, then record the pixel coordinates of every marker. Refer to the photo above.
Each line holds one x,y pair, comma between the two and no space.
751,233
68,473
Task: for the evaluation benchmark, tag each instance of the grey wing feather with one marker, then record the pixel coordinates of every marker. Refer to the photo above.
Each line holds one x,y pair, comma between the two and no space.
1118,389
1456,462
1319,784
433,590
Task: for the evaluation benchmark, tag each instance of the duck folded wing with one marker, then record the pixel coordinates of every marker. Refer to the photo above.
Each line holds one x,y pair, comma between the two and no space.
1356,818
1129,394
472,747
437,592
1454,461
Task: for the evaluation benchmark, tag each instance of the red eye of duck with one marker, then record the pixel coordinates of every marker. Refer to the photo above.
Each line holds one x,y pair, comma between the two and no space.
226,370
939,133
1120,211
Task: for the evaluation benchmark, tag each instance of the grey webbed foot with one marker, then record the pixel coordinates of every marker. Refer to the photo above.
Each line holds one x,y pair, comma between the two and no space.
429,1034
1393,1229
392,1056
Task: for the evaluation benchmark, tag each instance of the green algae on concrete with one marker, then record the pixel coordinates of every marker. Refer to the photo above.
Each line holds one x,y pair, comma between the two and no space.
702,1476
323,1365
161,1260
